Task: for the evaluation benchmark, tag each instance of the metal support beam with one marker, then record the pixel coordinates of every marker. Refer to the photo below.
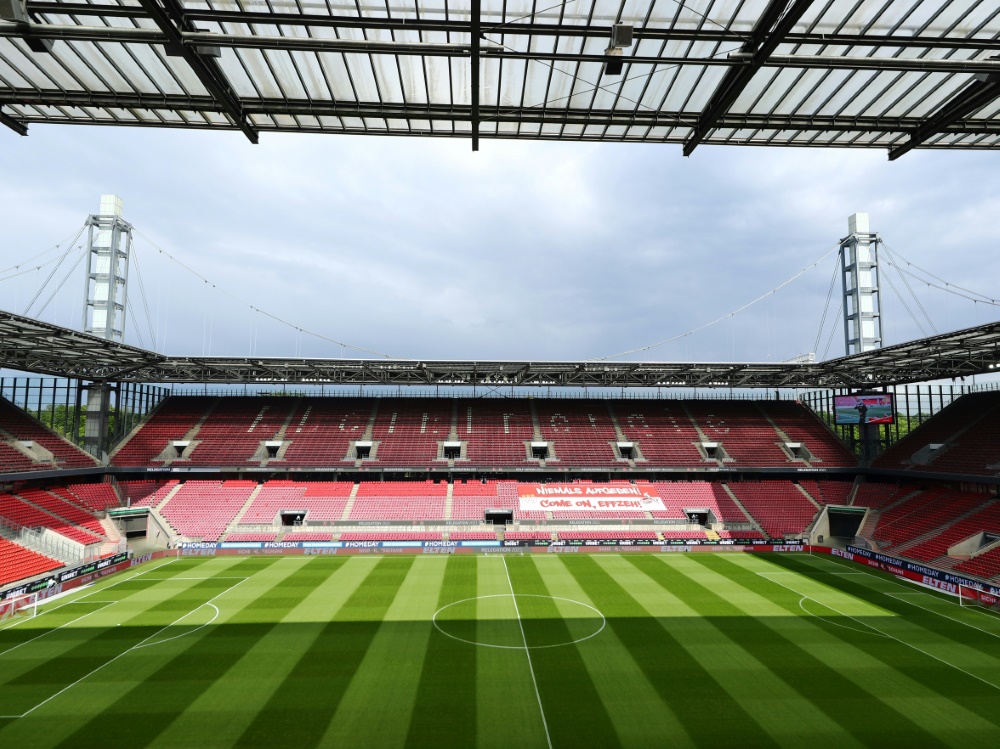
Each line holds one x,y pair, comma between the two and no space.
207,70
976,95
767,34
474,71
16,125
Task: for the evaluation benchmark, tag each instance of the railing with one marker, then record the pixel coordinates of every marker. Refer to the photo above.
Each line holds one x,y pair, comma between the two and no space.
46,543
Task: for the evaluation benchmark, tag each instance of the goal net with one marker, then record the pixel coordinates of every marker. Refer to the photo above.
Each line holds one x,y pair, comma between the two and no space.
26,605
973,598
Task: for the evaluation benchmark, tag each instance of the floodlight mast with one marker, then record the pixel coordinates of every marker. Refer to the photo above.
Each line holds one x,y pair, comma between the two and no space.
109,248
860,284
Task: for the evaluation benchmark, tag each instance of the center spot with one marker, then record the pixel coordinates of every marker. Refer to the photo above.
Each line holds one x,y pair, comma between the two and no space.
540,621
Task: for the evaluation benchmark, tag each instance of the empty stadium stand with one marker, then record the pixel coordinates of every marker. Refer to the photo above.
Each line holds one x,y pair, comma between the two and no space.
202,509
779,506
25,513
26,445
19,563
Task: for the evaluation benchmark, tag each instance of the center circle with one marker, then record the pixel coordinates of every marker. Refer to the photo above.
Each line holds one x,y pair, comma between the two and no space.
526,620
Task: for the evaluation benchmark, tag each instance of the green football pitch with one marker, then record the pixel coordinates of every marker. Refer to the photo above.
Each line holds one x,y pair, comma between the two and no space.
642,650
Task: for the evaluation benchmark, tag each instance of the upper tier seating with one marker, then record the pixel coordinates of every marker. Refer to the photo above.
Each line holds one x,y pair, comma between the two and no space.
17,426
496,433
779,506
969,430
19,563
408,430
581,432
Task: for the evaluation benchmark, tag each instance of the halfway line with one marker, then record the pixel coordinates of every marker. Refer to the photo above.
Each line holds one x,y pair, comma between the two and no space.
527,652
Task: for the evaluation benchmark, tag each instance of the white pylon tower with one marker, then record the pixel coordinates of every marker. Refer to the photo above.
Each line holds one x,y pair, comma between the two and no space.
860,283
109,247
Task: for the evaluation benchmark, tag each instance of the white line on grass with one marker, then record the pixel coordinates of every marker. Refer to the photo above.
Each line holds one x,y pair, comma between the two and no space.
106,604
885,634
134,647
951,618
527,652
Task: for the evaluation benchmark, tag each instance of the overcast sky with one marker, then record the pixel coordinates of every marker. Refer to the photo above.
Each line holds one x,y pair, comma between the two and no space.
423,249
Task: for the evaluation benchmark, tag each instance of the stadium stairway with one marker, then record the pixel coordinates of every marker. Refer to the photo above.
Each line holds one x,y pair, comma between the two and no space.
867,527
808,496
232,527
782,434
168,496
354,491
448,500
752,520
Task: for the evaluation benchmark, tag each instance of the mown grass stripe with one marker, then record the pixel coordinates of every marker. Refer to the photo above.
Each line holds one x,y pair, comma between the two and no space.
575,713
444,713
172,676
298,712
325,584
620,681
815,687
706,708
866,661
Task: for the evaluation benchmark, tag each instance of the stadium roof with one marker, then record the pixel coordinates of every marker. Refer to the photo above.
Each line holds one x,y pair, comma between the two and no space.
893,74
32,346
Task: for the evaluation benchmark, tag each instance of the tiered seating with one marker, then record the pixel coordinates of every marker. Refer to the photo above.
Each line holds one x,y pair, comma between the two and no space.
985,565
779,507
987,519
172,420
611,535
15,510
664,432
399,500
251,536
829,492
146,493
203,509
878,496
745,434
408,430
392,536
472,536
680,495
61,507
581,431
508,496
471,500
921,514
97,497
496,431
19,563
307,536
236,427
15,424
323,501
971,449
322,429
802,425
528,536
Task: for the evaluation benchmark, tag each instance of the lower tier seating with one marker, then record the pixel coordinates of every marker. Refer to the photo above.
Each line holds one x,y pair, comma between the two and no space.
19,563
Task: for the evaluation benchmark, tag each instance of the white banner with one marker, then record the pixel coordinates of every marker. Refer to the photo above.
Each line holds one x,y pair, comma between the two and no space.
596,498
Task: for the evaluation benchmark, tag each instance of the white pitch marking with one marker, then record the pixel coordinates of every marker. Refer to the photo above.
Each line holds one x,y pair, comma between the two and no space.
49,631
120,655
527,652
957,621
891,637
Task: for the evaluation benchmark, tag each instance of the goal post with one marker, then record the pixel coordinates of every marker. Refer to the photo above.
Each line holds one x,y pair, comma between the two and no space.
969,597
26,606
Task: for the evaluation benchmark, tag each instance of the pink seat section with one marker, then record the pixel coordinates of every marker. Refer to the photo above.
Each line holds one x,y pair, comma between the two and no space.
679,496
400,500
203,509
322,501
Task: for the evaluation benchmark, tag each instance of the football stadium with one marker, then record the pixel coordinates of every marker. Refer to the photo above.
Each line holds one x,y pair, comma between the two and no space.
311,550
